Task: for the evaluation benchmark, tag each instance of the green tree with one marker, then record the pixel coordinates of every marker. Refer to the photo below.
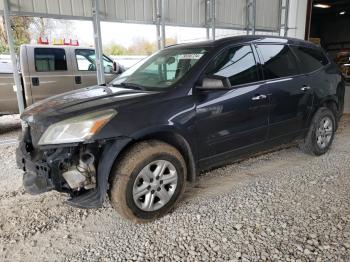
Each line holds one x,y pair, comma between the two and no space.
144,47
115,49
170,41
19,26
51,28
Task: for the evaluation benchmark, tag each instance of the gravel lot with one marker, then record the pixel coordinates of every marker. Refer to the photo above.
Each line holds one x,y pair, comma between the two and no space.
281,206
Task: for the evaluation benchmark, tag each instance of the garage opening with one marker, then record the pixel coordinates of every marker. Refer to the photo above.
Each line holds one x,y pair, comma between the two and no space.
329,27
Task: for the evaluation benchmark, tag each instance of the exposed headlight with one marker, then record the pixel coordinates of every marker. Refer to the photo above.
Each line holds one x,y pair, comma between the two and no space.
76,129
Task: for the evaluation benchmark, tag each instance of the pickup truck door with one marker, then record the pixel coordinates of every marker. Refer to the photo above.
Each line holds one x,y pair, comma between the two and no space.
85,68
50,71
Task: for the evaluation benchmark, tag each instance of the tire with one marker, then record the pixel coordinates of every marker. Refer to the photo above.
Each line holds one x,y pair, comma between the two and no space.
312,143
140,170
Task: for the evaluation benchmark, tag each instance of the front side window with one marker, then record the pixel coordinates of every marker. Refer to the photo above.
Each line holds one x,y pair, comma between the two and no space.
50,59
310,59
86,61
237,64
279,61
162,69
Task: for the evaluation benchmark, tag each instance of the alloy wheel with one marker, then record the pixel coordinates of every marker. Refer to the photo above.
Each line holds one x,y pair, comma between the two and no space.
324,132
155,185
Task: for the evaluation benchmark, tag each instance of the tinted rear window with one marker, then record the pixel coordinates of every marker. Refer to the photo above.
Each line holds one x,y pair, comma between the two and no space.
310,59
50,59
279,61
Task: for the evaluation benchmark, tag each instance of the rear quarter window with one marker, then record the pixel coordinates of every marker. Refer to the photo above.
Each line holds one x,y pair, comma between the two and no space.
50,59
309,59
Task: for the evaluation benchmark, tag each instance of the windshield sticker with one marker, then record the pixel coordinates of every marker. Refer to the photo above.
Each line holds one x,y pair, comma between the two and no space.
190,56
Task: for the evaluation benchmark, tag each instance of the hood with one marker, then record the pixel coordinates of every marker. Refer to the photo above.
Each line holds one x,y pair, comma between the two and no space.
81,101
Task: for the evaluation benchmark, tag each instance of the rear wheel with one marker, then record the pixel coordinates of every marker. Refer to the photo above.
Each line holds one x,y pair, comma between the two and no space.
147,181
321,133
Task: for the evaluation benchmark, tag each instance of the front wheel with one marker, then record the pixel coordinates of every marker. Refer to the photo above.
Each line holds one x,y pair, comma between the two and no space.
321,133
147,181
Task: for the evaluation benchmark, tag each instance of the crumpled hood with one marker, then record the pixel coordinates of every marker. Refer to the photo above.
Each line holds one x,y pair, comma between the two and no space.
81,101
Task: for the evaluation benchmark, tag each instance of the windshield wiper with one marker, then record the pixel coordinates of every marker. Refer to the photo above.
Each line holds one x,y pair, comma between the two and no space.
129,85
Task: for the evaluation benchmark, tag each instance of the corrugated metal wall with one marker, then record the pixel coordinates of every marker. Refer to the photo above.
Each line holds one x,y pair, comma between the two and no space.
268,15
228,14
56,8
185,12
231,13
136,11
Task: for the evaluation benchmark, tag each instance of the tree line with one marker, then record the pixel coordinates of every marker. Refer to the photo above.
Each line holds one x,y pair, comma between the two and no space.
26,29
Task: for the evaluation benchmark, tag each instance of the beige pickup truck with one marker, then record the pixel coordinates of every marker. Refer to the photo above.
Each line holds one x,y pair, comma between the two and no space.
50,70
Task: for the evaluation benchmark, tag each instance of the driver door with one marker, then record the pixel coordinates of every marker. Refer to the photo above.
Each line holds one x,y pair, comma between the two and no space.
236,118
85,71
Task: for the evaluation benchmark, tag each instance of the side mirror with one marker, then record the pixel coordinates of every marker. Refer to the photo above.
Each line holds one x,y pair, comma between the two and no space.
214,82
115,67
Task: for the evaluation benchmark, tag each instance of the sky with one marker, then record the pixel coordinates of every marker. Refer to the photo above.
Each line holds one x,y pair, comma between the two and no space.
125,34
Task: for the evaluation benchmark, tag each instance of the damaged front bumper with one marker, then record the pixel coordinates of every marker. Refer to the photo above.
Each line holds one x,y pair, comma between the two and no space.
59,168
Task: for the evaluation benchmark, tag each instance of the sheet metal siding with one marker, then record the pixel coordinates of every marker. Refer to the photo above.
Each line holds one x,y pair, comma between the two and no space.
138,11
57,8
231,13
228,14
267,14
185,12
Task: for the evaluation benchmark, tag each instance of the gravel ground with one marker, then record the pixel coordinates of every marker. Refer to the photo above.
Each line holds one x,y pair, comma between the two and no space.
281,206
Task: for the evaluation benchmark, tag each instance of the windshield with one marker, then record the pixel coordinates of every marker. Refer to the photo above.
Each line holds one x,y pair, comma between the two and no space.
161,70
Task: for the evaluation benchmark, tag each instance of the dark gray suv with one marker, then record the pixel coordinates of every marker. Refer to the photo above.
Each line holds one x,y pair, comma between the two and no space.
182,110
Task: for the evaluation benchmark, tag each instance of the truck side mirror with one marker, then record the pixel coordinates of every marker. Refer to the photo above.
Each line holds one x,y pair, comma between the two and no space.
116,68
215,82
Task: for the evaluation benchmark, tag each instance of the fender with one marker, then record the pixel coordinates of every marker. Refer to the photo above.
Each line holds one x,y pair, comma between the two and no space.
327,99
177,138
319,103
173,129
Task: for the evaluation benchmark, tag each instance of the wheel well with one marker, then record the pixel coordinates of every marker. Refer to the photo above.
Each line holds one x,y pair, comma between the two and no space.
333,106
176,141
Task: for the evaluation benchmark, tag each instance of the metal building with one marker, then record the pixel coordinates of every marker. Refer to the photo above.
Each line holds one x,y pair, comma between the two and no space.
249,15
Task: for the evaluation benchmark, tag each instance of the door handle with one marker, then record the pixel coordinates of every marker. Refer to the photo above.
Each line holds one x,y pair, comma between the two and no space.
259,97
35,81
305,88
78,80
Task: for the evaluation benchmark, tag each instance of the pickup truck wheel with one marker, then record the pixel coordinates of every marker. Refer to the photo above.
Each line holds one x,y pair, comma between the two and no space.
320,134
147,181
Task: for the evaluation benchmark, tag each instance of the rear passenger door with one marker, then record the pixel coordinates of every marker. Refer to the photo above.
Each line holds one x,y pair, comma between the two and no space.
313,63
50,72
289,91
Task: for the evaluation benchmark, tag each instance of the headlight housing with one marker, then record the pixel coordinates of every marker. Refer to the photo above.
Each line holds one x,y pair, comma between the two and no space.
76,129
